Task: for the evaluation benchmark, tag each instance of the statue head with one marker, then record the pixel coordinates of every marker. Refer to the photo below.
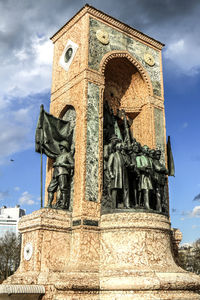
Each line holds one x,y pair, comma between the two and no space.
114,139
136,147
119,146
157,154
64,145
145,149
152,153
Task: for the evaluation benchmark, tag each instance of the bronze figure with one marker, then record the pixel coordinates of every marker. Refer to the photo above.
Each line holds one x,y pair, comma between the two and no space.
119,177
62,171
145,167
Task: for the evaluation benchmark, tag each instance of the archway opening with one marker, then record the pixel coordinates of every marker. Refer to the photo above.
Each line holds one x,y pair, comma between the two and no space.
125,90
124,95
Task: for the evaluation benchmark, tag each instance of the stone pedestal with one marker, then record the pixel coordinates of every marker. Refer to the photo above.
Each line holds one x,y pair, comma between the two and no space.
129,255
137,259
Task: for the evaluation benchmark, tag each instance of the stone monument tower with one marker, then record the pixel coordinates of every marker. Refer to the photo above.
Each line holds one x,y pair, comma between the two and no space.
113,240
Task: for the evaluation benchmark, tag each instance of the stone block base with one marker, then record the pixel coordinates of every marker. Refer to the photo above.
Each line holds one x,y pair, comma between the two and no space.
126,256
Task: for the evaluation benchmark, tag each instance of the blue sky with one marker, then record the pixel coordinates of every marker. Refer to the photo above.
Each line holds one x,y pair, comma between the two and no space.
25,81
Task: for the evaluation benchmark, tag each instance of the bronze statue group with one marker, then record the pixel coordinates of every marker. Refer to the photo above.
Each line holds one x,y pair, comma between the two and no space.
135,175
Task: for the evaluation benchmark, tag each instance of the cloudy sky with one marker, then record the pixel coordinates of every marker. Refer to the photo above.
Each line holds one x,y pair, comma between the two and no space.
25,82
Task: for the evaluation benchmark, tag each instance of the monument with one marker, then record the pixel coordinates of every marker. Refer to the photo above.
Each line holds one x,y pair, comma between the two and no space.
105,230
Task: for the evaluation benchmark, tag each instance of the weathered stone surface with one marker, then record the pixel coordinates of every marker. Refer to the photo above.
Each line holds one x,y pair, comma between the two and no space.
126,255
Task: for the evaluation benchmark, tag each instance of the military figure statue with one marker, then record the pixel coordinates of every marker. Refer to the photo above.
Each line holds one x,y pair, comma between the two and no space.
135,174
119,178
63,166
159,175
144,165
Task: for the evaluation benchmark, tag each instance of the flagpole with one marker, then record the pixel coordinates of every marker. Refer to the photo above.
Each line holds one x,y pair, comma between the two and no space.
41,176
41,158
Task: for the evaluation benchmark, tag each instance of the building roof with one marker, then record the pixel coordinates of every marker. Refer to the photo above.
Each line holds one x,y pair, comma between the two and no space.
109,19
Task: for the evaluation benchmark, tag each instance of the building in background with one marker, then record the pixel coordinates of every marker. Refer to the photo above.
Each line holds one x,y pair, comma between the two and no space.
9,218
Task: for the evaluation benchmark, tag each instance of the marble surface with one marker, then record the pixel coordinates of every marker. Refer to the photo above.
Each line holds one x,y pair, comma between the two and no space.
159,131
120,41
91,189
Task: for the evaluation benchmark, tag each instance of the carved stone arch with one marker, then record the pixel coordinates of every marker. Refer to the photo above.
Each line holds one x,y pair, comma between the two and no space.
125,54
65,109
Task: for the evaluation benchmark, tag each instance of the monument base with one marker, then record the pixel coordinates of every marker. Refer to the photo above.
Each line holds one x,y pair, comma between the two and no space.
128,256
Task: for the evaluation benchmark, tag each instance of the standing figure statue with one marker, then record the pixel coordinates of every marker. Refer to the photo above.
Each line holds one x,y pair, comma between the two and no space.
144,165
135,174
160,173
108,149
62,171
119,177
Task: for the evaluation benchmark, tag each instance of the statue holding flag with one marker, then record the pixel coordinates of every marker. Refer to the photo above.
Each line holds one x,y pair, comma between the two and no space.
62,170
54,138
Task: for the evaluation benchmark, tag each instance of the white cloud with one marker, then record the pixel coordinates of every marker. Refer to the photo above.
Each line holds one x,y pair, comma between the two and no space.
175,48
21,54
30,75
184,54
195,212
26,198
16,188
44,51
22,115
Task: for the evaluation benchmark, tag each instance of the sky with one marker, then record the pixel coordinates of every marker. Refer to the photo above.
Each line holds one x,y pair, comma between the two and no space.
26,55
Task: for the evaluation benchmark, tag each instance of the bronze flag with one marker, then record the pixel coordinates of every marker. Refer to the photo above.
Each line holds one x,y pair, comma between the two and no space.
50,132
170,159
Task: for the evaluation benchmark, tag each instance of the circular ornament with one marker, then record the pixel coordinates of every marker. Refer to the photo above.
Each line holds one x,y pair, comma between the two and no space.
102,36
28,251
149,59
68,54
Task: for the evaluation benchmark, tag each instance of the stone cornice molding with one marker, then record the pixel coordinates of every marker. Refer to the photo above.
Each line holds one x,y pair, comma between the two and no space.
110,20
126,54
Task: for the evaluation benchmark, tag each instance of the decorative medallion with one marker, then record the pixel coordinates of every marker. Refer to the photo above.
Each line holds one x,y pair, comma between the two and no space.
68,55
102,36
149,59
28,251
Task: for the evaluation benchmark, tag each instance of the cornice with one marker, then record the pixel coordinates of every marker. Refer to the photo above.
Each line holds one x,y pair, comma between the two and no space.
110,20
